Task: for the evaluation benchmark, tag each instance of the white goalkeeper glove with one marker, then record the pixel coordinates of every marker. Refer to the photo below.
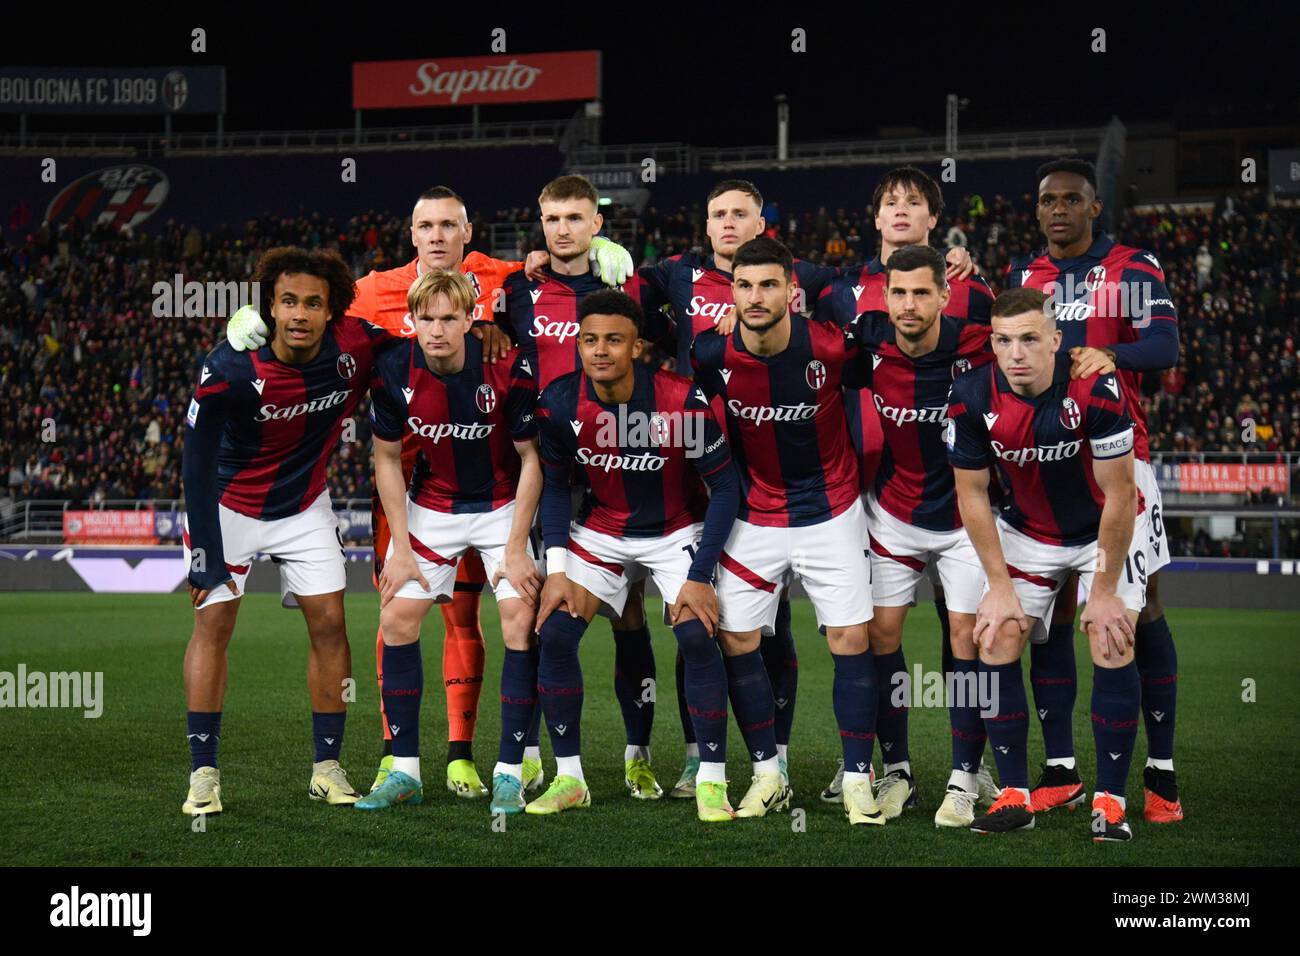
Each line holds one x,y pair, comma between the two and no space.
246,330
612,261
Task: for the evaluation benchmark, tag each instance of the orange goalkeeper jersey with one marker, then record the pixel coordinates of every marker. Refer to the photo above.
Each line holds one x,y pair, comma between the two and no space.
381,300
381,296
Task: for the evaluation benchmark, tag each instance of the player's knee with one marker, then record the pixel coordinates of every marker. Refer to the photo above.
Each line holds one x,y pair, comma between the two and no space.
516,624
1008,645
736,643
961,635
847,640
693,641
884,638
560,635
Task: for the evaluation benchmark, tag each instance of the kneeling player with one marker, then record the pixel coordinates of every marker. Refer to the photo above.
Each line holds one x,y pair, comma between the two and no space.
644,440
262,427
462,496
1064,453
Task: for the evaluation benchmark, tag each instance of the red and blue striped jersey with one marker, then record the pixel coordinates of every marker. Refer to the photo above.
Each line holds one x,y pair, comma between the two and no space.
261,432
785,420
465,425
914,481
541,318
1115,297
863,290
700,295
643,460
1043,447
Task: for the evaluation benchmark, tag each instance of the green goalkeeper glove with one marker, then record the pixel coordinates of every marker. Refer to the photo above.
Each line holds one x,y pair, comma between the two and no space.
612,261
246,330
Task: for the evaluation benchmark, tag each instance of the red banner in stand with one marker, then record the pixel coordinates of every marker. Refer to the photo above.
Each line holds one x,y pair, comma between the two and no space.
1235,478
467,80
109,527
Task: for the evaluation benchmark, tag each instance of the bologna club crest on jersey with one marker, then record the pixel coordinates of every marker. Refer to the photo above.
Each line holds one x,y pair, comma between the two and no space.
485,399
960,367
1094,279
815,374
1070,414
658,430
346,365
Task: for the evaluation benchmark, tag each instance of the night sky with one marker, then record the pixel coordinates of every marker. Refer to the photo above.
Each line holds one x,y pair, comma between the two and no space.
709,77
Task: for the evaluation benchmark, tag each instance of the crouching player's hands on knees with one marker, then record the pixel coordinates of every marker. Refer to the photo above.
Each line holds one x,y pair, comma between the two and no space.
521,571
399,569
701,600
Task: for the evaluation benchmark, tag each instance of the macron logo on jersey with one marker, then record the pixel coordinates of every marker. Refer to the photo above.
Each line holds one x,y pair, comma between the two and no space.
1024,275
436,433
857,292
726,375
409,393
536,294
696,276
523,364
990,420
259,384
1112,386
875,361
207,373
576,426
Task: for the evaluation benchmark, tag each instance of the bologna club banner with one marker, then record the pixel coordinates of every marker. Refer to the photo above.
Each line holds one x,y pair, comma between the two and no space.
1213,478
109,527
467,80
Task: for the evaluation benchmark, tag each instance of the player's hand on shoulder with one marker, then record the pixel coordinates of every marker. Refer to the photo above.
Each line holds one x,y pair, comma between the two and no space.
1085,361
399,569
702,601
246,331
613,263
535,264
496,344
960,264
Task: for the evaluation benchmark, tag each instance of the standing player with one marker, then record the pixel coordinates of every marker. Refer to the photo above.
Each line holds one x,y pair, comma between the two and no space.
907,204
780,378
440,233
916,353
1115,313
647,443
261,429
541,316
698,290
474,424
1064,452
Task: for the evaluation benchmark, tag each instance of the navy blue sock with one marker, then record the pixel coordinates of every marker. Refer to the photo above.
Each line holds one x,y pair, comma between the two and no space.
559,682
945,650
1157,663
782,663
968,733
534,737
327,732
891,721
853,694
1008,730
1116,695
518,702
706,689
751,699
203,729
683,709
634,664
403,688
1052,673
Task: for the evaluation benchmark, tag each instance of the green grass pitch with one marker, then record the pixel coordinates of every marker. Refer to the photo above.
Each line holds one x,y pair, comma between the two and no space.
108,791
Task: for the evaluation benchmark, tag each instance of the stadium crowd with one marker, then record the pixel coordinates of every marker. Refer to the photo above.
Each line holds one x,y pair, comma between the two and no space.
79,346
